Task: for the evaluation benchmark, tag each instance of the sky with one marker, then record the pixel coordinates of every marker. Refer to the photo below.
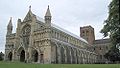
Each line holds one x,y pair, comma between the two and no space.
67,14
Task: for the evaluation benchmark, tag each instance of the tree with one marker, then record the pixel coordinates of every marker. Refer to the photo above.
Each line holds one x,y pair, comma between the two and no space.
113,54
1,56
112,29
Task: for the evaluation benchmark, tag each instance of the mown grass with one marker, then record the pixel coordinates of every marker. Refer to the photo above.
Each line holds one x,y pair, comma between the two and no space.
26,65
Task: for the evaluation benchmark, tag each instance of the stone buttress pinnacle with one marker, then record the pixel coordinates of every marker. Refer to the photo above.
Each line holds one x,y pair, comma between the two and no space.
48,12
10,22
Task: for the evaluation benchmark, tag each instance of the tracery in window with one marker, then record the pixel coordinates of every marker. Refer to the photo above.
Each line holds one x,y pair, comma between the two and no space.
26,34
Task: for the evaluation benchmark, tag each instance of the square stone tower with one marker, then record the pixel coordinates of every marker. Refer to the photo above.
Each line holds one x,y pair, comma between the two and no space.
87,32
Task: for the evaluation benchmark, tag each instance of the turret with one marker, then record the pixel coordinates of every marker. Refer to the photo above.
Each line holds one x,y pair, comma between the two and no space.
18,23
48,16
9,27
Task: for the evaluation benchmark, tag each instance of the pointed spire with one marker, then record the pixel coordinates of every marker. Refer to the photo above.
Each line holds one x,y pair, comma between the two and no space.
30,9
10,22
9,27
48,12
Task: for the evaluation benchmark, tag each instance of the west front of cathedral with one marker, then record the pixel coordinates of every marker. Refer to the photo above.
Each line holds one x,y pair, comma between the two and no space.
38,40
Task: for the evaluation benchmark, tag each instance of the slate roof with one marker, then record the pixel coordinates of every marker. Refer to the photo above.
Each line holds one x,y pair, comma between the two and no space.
61,29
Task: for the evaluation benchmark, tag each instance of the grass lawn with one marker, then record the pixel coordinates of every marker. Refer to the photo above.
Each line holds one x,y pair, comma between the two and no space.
26,65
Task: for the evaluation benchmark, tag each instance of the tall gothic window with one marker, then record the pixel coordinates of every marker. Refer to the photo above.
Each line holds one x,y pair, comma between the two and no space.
26,34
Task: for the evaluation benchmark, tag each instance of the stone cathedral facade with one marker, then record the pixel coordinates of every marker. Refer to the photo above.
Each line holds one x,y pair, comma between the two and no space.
38,40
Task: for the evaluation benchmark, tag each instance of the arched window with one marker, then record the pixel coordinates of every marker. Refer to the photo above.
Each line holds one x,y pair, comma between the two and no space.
10,56
26,34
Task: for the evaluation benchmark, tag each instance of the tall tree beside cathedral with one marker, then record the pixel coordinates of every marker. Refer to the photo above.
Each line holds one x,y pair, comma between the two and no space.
112,29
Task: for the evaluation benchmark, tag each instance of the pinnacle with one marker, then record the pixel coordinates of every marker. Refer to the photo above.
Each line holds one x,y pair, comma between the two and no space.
48,12
10,22
30,7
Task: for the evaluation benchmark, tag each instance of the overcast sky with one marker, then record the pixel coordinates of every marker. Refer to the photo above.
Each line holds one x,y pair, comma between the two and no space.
68,14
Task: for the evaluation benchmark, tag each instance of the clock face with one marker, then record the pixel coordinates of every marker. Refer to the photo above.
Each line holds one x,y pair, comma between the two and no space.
26,35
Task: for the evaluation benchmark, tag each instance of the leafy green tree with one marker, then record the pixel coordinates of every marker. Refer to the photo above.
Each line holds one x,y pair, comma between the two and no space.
112,29
113,54
1,56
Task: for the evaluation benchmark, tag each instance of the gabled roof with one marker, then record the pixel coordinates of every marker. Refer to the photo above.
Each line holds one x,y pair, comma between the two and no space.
29,15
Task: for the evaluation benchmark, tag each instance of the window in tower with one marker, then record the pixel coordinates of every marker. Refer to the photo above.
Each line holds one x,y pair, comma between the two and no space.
83,32
87,33
100,48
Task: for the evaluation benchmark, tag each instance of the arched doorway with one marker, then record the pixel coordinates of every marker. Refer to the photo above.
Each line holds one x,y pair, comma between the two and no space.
35,56
22,56
10,56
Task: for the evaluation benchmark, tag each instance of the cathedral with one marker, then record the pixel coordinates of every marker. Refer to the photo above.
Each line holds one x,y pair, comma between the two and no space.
38,40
